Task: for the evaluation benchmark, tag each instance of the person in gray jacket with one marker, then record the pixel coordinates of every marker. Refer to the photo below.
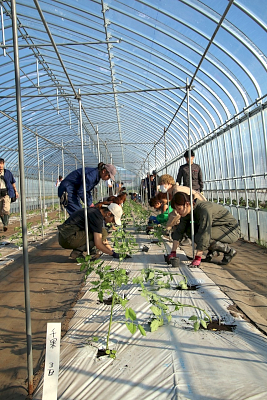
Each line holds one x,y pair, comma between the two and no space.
183,173
215,228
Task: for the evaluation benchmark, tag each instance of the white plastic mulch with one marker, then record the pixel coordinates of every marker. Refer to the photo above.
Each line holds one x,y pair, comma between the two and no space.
173,363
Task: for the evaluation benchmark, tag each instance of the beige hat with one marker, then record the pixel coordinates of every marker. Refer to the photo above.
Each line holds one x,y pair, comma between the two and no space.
116,211
112,171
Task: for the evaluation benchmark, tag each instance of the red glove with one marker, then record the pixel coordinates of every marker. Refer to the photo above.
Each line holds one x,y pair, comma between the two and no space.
196,262
172,255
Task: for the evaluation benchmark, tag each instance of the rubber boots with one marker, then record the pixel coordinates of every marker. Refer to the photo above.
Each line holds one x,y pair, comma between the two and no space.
224,248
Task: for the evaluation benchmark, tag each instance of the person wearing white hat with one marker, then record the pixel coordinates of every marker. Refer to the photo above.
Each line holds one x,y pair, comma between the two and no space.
72,232
70,190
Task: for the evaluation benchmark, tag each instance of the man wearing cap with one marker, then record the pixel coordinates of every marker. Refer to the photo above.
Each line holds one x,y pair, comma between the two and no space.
183,173
70,190
7,191
72,232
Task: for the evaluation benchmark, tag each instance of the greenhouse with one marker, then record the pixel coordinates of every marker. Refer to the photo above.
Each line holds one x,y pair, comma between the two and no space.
125,88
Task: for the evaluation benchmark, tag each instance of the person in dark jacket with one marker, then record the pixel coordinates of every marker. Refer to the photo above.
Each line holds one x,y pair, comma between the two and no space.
183,173
7,192
70,190
72,232
216,228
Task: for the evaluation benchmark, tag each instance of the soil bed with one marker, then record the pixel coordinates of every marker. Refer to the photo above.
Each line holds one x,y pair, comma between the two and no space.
216,326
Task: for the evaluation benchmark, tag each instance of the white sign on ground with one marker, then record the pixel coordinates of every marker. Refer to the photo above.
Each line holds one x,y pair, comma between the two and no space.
53,335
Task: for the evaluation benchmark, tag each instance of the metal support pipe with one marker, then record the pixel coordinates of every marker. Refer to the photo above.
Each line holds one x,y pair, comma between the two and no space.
70,117
227,171
83,174
20,219
235,172
63,174
254,180
29,45
165,150
264,130
45,213
98,93
39,187
23,199
59,205
52,191
37,74
98,154
3,31
190,170
245,181
149,182
156,168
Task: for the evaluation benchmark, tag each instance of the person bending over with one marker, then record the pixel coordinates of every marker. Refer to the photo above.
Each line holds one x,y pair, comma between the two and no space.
72,232
70,190
216,228
168,185
160,203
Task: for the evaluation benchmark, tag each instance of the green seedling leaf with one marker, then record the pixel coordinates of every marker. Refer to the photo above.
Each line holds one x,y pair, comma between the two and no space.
87,258
156,311
141,329
107,351
154,325
193,318
169,318
131,327
196,326
123,302
184,286
113,351
101,295
151,275
93,290
132,314
95,339
203,323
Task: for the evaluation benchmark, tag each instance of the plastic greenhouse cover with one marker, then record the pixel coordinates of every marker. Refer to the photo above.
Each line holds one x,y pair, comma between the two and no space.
172,363
153,45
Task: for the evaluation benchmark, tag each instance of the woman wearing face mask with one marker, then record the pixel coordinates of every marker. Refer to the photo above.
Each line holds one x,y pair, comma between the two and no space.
169,186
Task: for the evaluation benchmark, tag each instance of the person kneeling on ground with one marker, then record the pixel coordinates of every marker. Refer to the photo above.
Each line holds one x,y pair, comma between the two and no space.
217,228
72,232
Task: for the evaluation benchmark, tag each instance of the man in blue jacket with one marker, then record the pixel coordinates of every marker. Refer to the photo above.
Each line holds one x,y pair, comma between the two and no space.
70,190
7,191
